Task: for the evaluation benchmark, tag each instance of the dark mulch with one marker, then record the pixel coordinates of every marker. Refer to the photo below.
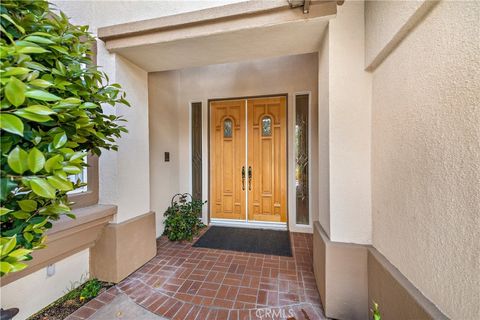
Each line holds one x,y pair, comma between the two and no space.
66,305
246,240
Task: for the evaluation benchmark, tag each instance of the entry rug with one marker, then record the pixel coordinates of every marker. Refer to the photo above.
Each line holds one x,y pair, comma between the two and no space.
246,240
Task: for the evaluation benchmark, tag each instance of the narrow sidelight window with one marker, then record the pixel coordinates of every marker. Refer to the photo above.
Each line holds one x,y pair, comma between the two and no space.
301,158
197,150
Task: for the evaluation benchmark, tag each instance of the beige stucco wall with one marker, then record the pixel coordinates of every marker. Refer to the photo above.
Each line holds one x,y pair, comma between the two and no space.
392,15
106,13
170,95
349,136
163,127
324,134
132,179
69,273
426,154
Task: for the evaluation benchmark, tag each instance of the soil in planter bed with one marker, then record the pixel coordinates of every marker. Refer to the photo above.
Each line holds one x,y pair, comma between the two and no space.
66,305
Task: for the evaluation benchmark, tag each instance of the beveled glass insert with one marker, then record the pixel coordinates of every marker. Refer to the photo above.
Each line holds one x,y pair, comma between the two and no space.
227,128
266,126
301,158
197,150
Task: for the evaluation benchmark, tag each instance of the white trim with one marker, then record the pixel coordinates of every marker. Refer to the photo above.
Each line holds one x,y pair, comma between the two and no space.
249,224
295,94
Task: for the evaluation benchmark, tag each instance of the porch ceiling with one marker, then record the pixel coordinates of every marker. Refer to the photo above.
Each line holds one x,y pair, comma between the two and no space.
236,32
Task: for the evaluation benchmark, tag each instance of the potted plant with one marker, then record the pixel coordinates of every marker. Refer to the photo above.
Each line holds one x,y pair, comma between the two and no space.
182,220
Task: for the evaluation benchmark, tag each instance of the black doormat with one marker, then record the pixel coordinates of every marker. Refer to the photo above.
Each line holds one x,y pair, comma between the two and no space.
246,240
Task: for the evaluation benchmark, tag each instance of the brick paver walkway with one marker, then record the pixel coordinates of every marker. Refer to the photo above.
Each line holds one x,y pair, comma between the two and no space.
185,282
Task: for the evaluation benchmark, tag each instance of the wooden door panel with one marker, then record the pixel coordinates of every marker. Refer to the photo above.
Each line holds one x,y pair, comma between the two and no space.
227,154
267,143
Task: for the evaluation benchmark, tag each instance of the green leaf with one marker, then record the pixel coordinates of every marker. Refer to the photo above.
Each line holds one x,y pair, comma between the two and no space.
9,245
9,36
53,163
36,220
4,104
19,253
42,95
41,83
60,184
60,173
60,49
32,50
18,266
38,39
72,169
28,236
5,267
78,155
23,43
11,123
61,67
22,215
15,91
8,18
6,186
42,188
36,160
32,76
36,66
72,101
18,160
59,140
89,105
4,211
27,205
32,116
39,109
43,34
13,71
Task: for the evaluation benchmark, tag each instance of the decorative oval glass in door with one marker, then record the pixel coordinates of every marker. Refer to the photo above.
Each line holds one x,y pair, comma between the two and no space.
227,128
266,126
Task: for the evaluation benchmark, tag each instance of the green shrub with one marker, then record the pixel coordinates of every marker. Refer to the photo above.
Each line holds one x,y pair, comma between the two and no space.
181,220
77,295
90,290
50,119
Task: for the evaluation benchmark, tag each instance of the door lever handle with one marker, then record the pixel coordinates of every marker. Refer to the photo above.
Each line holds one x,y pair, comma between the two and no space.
243,177
250,174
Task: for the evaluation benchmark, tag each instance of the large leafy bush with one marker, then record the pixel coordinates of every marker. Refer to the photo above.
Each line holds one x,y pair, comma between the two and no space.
50,118
181,219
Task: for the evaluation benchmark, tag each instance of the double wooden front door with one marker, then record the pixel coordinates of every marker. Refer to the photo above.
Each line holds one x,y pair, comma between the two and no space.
248,159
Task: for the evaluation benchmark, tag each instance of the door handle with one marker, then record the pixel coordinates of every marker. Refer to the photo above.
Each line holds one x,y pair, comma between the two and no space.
243,177
250,178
